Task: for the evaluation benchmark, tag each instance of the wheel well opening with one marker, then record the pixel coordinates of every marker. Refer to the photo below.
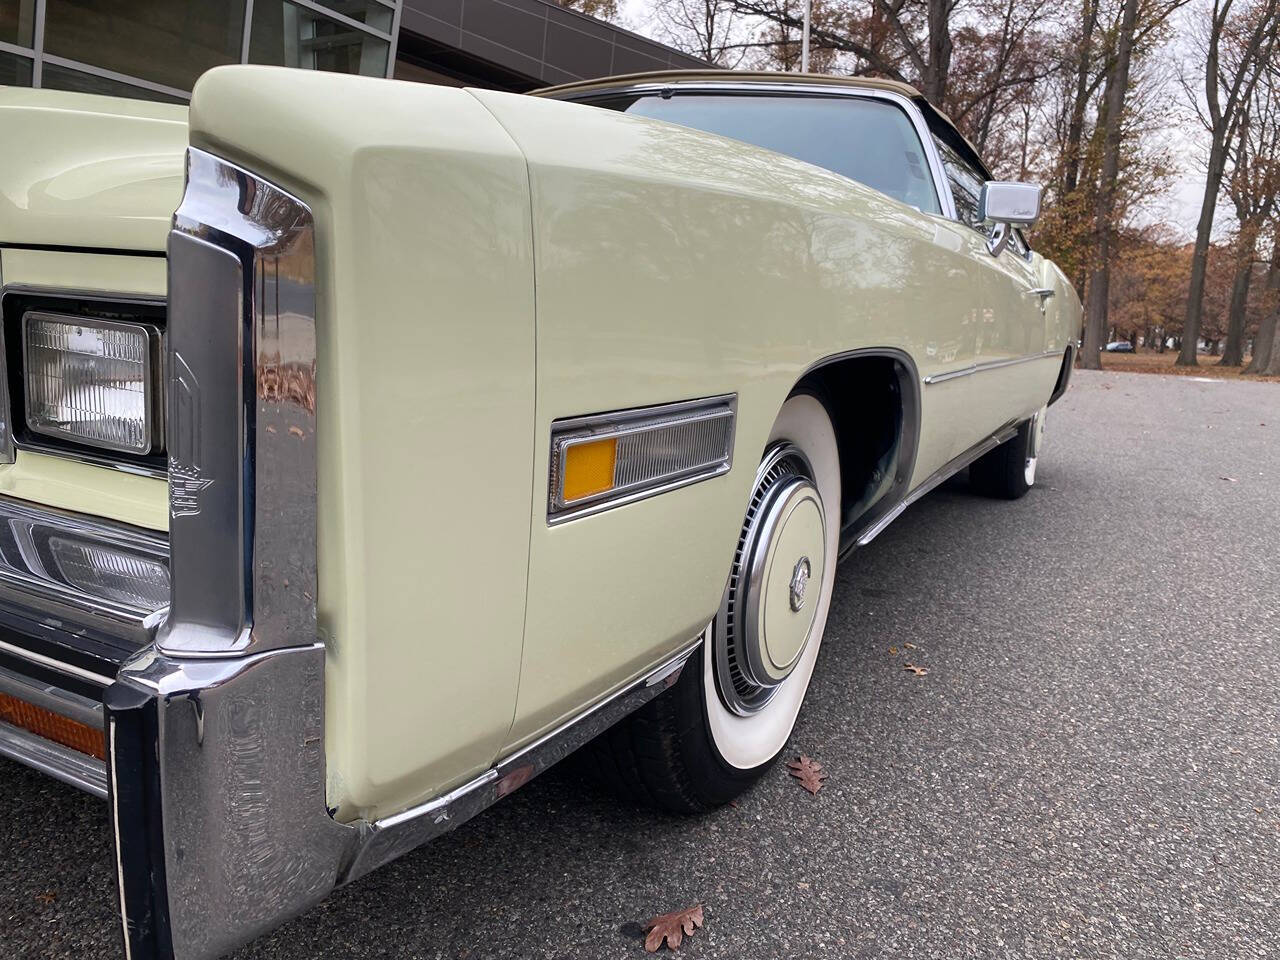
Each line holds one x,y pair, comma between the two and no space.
874,406
1064,375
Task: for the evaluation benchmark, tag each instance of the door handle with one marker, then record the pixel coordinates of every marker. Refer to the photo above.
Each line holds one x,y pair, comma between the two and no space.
1044,293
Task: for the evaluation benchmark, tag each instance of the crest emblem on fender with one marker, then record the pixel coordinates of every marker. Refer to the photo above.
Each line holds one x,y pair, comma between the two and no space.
185,479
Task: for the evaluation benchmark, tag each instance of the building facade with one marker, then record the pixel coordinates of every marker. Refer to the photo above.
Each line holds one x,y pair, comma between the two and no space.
155,49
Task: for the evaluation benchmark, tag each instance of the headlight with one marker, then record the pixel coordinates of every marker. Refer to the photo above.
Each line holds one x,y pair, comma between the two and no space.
90,380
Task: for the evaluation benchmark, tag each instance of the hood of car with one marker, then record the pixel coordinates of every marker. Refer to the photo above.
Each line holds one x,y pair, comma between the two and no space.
84,171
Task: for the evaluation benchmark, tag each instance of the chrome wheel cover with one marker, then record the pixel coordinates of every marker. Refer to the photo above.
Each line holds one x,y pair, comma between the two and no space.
764,622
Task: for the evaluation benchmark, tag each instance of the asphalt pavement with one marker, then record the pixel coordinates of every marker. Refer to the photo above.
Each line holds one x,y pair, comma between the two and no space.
1089,769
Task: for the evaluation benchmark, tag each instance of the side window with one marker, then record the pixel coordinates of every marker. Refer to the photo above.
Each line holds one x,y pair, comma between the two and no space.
862,138
966,189
966,186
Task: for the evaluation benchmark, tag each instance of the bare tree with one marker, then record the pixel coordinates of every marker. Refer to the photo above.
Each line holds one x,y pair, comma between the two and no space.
710,29
600,9
1237,52
1105,202
1266,357
1252,186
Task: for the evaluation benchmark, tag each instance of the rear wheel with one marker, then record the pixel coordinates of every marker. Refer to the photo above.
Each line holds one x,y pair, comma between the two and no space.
1009,471
729,716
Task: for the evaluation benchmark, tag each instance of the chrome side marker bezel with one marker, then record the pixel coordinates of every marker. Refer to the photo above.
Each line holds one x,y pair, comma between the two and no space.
660,448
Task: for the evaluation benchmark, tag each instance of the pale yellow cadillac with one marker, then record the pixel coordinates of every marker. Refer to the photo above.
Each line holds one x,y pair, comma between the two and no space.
368,446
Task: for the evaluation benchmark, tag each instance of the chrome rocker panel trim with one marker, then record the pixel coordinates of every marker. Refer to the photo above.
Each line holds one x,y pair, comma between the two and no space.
384,840
938,477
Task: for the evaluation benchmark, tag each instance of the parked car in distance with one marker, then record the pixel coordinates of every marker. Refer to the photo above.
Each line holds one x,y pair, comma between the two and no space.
1119,346
440,432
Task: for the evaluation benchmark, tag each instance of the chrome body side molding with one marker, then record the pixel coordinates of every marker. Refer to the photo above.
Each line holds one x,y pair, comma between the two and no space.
987,365
217,795
938,477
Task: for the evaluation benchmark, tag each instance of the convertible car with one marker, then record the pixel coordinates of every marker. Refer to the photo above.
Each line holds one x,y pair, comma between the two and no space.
441,432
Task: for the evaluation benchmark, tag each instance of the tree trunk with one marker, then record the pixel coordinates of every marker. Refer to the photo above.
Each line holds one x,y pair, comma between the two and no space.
1200,257
1233,352
1104,207
1264,343
939,62
1075,128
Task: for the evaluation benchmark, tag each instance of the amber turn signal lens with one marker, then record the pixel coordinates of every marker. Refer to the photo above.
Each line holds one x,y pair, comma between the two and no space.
588,468
52,726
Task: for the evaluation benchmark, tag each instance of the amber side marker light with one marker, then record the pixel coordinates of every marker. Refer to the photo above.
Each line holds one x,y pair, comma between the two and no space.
588,468
52,726
605,460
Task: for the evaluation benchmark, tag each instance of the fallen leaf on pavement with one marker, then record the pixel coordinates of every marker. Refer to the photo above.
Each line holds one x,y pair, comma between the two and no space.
908,646
672,927
808,771
47,897
893,651
918,671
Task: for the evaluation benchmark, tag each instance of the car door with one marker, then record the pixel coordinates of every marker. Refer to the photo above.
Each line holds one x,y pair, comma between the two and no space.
1013,323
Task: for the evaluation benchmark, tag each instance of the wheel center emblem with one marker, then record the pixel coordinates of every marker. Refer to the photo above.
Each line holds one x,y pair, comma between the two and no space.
799,582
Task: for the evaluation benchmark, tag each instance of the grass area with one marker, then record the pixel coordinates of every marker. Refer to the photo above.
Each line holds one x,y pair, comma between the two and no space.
1148,361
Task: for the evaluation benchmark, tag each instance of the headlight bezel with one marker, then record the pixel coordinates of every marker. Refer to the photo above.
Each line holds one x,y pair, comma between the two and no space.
16,300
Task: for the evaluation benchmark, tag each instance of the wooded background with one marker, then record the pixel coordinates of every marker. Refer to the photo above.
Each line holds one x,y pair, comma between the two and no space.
1111,105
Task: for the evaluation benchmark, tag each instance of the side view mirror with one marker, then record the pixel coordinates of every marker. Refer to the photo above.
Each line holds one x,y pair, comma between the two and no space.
1009,205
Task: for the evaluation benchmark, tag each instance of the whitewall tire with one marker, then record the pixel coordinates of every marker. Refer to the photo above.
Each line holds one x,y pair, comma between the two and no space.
728,717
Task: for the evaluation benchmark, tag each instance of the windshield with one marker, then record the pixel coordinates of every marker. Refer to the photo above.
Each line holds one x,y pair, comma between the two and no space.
865,139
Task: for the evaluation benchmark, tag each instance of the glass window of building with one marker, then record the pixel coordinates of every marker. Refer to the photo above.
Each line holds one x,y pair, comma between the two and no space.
289,35
141,48
18,22
168,43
